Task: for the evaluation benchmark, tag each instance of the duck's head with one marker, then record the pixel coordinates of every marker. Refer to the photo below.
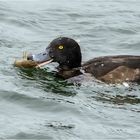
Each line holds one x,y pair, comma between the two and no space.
62,50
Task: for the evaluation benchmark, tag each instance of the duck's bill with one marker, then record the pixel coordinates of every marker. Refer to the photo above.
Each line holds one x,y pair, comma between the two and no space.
41,58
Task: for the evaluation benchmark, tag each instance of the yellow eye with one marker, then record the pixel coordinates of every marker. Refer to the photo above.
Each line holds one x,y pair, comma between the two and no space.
61,47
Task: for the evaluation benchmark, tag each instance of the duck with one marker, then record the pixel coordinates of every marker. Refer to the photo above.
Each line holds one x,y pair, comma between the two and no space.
108,69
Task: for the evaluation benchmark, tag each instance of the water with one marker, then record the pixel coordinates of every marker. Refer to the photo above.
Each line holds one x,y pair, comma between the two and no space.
36,105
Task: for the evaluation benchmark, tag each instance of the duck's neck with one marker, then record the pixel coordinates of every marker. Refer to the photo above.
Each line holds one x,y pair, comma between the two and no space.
65,72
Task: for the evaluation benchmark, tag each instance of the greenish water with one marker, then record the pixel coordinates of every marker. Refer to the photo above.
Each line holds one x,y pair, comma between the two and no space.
36,105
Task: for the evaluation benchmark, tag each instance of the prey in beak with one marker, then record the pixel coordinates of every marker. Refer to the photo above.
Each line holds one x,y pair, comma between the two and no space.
41,59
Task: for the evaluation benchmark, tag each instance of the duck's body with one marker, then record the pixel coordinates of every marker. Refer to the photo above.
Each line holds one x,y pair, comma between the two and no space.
114,69
109,69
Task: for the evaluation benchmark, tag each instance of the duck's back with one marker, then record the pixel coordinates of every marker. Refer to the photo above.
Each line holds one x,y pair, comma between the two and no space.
114,69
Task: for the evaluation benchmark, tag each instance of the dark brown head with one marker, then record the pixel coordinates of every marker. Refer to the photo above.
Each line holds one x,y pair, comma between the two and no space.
62,50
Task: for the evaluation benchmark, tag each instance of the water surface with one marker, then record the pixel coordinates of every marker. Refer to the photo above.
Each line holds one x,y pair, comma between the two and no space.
34,104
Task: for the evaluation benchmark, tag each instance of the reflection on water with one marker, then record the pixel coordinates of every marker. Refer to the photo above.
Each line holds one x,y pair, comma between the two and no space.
117,99
47,81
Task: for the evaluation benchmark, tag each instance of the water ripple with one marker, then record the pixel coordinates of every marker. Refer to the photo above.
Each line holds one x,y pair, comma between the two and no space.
34,103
